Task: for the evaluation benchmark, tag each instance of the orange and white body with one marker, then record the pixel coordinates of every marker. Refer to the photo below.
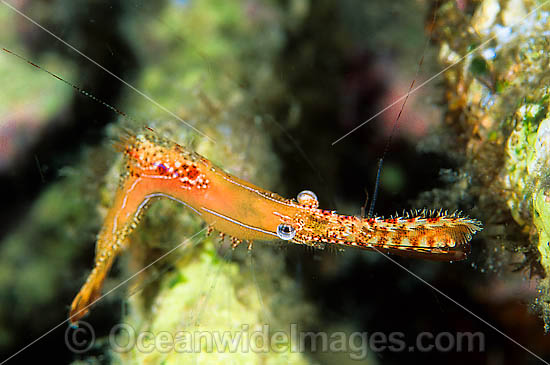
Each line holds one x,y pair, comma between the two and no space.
158,168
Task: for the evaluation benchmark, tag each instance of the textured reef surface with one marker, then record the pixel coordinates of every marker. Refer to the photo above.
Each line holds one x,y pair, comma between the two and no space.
497,112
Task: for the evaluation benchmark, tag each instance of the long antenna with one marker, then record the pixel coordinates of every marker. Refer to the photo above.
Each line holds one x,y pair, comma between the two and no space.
78,89
388,144
395,123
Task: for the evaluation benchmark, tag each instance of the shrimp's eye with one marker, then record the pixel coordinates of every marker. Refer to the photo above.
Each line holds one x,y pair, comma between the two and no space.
308,199
285,231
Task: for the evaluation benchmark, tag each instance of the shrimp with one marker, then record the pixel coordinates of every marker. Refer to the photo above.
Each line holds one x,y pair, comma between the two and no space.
158,168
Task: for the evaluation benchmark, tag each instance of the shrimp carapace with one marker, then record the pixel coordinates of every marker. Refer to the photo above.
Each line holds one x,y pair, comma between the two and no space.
158,168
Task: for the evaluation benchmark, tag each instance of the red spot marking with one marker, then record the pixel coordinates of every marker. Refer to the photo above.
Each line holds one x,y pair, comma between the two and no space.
192,173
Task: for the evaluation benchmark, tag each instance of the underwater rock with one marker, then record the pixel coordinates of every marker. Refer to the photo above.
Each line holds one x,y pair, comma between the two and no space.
497,111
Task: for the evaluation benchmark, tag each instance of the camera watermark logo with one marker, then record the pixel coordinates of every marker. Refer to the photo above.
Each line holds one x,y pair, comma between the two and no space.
258,338
80,339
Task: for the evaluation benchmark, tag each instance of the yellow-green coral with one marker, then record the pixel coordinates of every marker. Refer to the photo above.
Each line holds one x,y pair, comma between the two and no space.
522,160
528,151
538,167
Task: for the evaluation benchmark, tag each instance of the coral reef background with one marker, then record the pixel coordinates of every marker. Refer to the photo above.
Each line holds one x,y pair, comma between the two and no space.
275,83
